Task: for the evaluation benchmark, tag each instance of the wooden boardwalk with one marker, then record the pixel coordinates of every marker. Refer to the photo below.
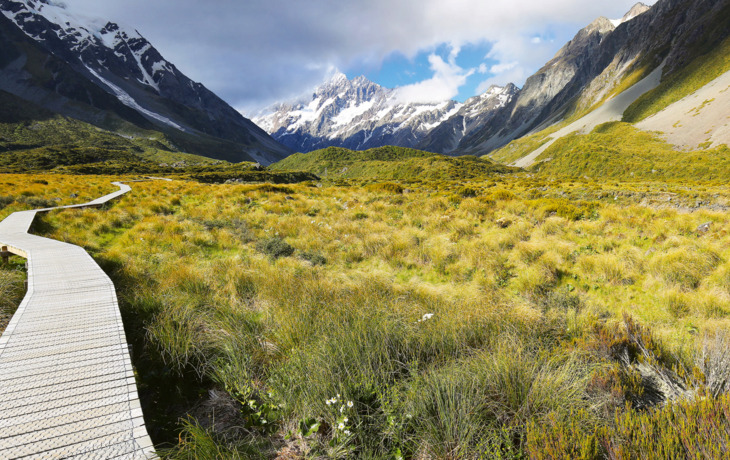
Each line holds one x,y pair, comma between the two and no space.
67,387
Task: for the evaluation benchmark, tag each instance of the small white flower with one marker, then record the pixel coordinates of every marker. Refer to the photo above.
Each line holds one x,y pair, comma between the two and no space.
345,420
342,408
338,396
347,432
427,316
263,421
329,402
341,426
349,403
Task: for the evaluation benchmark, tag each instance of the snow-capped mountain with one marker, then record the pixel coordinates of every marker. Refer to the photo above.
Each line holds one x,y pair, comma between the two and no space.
475,113
359,114
124,65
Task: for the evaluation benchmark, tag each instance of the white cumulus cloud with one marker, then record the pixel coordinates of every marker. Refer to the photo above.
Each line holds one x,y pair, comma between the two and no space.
447,78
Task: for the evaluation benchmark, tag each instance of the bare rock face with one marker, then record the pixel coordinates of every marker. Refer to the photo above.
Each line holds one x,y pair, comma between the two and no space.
545,91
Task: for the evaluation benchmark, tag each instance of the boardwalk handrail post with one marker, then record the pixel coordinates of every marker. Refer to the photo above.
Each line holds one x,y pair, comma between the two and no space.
5,254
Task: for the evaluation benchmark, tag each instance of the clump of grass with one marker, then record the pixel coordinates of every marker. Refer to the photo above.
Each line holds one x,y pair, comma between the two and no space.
198,442
12,291
467,192
485,404
269,188
314,258
275,247
685,267
387,187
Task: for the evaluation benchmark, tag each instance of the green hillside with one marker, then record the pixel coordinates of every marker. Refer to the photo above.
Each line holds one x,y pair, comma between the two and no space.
618,150
390,163
33,139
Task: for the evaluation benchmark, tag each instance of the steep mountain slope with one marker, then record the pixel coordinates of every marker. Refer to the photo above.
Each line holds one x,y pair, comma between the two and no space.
673,33
700,119
611,110
97,72
683,46
359,114
546,94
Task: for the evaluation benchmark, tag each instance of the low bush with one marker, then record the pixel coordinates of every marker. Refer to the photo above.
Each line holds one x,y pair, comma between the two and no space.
275,247
387,187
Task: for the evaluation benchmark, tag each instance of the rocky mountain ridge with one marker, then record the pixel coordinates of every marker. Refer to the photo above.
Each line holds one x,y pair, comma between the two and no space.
359,114
595,64
124,65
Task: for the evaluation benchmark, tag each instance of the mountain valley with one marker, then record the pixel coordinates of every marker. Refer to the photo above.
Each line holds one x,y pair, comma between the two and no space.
597,68
530,273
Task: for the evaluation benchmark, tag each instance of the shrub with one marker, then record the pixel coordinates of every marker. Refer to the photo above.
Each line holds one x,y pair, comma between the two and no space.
6,200
467,192
36,202
275,248
501,194
387,187
314,258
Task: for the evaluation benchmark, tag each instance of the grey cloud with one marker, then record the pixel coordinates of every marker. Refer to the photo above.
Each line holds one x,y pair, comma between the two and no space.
257,51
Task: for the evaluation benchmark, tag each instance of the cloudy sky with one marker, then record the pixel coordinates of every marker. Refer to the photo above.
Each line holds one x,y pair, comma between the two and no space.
256,52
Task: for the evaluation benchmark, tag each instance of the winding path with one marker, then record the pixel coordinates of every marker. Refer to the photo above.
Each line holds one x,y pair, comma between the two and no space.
67,387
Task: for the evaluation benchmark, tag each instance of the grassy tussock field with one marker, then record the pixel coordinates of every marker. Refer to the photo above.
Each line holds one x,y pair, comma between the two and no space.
517,317
620,151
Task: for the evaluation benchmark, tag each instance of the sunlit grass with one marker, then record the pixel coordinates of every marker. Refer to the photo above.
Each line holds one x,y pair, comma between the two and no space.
455,320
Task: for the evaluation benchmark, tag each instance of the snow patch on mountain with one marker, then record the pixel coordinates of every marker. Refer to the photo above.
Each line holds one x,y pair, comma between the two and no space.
351,112
129,101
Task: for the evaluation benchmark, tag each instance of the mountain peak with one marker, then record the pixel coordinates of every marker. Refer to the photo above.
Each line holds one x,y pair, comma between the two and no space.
337,78
601,24
340,80
636,10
